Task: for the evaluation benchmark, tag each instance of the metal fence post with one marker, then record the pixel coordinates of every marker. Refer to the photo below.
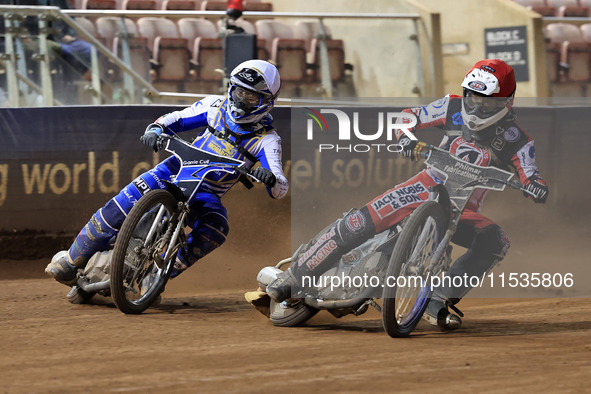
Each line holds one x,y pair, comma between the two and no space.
324,62
9,59
95,77
129,90
44,60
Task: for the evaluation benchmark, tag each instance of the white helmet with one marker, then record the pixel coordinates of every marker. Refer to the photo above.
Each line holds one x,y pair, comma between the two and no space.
254,86
489,89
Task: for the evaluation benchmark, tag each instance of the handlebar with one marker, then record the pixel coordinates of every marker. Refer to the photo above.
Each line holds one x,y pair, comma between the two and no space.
427,148
248,174
241,170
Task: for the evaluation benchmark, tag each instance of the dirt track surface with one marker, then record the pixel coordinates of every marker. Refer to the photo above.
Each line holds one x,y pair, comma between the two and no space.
217,343
206,338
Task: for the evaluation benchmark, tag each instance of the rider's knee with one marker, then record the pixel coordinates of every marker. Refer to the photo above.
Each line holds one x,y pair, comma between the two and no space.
354,228
209,234
492,240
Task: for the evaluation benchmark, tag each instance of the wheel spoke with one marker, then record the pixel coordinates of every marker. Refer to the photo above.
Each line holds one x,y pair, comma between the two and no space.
404,305
137,279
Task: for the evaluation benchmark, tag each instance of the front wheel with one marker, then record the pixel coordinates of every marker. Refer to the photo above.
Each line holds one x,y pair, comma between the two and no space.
407,290
138,272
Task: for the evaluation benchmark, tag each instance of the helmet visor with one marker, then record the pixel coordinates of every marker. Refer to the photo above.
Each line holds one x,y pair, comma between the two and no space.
245,99
481,105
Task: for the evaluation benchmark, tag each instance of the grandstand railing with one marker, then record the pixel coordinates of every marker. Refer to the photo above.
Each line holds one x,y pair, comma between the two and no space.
148,93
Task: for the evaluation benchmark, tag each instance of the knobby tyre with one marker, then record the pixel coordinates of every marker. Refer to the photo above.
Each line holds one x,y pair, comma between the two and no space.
136,278
290,315
406,298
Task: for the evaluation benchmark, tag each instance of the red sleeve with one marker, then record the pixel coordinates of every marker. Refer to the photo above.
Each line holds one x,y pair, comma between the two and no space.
434,114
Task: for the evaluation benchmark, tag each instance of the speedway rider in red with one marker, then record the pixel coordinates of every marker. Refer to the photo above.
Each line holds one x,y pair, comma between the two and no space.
479,128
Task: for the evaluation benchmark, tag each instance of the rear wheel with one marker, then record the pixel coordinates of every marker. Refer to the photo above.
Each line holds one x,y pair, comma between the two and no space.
138,272
407,291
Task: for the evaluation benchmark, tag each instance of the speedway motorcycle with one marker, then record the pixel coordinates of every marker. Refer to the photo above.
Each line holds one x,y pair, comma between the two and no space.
413,252
135,269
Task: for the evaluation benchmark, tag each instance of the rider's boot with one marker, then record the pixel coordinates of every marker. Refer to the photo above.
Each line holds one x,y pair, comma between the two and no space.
323,252
437,314
94,237
62,269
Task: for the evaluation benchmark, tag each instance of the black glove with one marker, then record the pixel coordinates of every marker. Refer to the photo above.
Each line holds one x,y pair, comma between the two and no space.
408,147
265,176
151,137
538,187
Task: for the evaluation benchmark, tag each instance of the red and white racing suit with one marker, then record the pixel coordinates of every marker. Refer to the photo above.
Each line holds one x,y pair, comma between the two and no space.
508,147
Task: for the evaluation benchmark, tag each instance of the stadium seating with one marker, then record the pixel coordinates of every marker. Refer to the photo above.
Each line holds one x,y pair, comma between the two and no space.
539,6
258,6
87,25
205,46
170,53
140,5
558,8
110,32
219,5
287,52
215,5
310,32
567,8
587,4
586,31
573,71
98,4
181,5
190,51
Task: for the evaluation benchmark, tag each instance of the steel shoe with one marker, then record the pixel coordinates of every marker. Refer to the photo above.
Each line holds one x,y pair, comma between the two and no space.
437,314
61,269
280,289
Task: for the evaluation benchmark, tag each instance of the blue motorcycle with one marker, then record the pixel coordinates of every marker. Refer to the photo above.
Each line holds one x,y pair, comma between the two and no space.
135,271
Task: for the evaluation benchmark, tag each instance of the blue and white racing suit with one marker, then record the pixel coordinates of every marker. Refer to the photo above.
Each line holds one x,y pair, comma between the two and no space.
208,216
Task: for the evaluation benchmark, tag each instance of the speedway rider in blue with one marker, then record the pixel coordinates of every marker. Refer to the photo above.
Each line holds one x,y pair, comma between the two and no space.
237,126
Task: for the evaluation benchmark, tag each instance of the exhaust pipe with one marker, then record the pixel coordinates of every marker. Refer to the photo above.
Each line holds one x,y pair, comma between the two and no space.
93,287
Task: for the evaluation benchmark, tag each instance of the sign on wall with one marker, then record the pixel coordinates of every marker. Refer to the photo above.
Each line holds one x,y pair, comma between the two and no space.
509,44
60,164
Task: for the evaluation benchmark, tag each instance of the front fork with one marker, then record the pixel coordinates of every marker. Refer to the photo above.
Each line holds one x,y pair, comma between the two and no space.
173,238
440,262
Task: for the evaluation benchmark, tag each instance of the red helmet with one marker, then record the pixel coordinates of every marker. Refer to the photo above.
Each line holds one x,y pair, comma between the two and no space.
489,89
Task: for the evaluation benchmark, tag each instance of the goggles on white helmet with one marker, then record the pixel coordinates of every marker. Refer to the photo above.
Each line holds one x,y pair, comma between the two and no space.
483,106
254,86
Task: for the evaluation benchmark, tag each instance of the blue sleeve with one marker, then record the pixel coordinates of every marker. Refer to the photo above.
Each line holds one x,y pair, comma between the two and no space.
189,118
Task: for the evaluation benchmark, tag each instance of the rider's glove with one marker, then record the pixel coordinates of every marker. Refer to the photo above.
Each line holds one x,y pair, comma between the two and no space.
410,148
538,187
265,176
151,137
